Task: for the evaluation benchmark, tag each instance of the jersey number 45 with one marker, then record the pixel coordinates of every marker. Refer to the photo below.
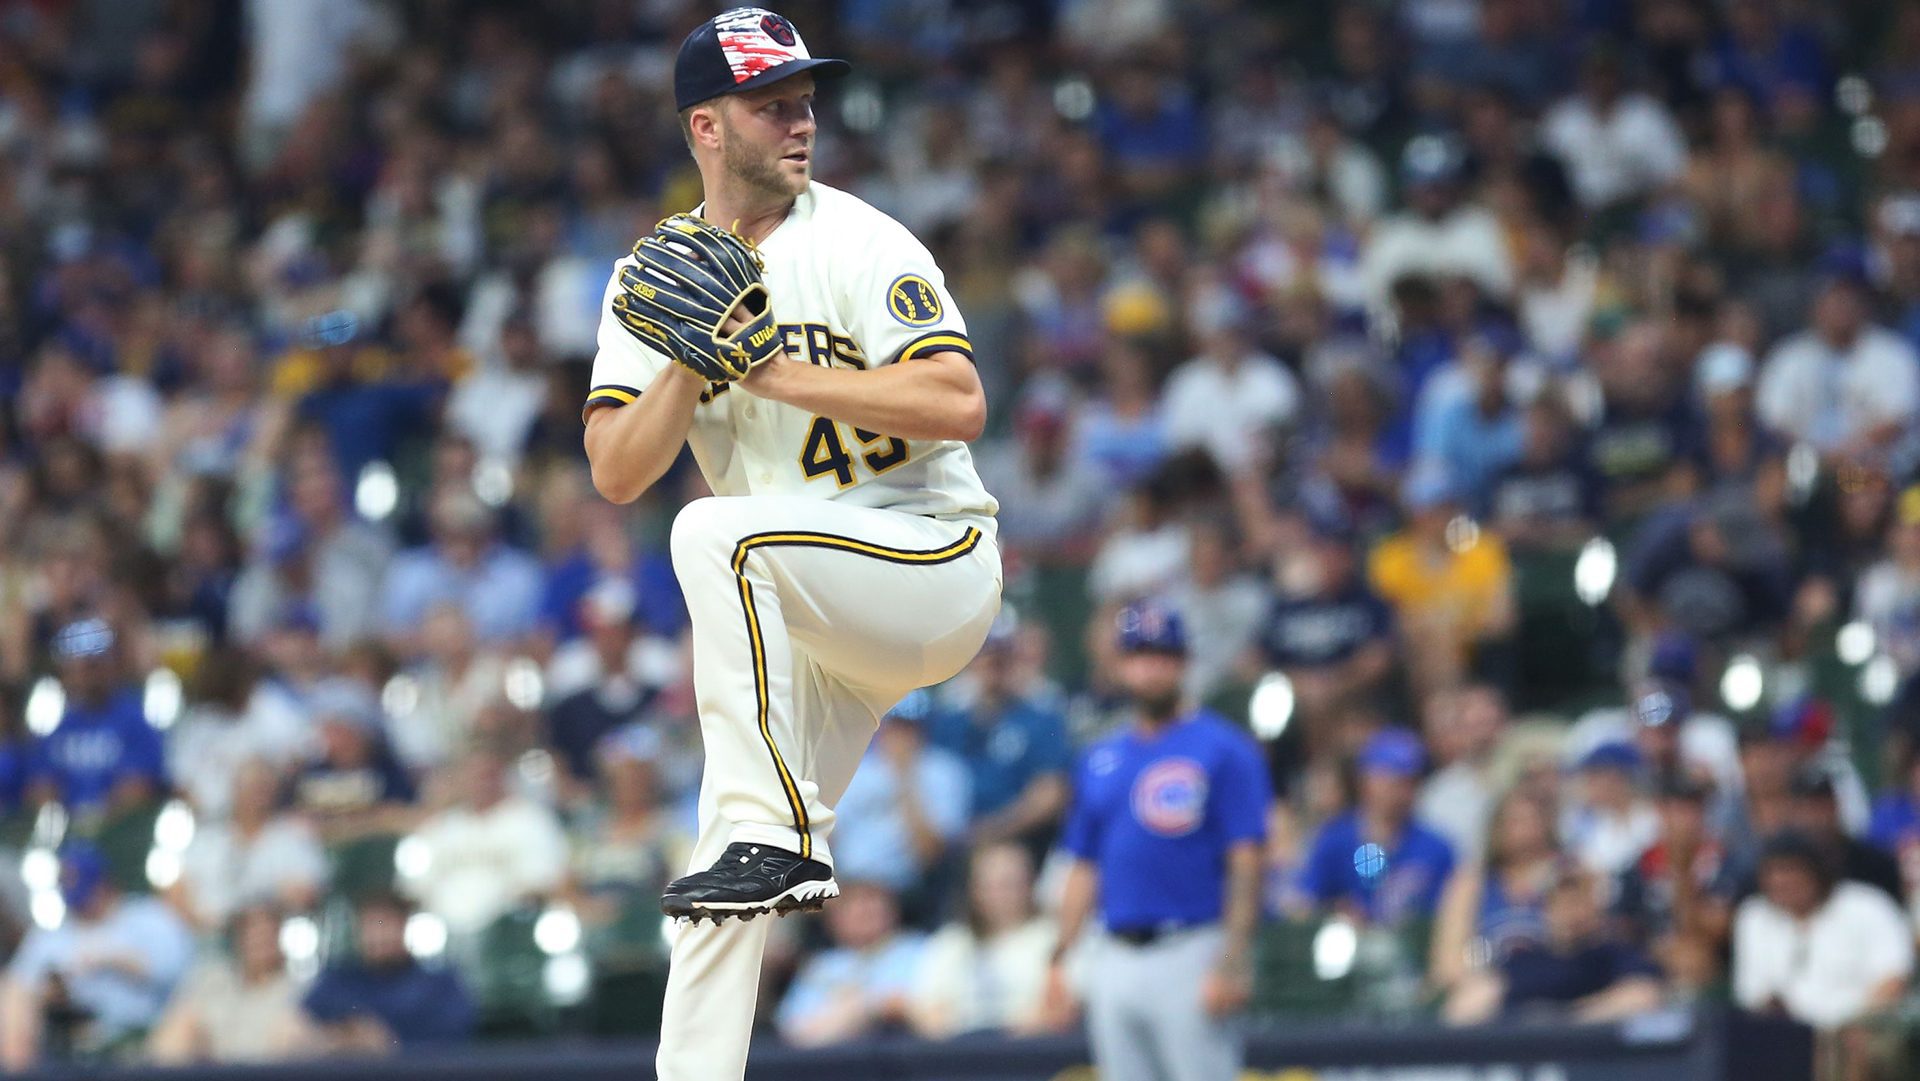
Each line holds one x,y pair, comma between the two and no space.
826,453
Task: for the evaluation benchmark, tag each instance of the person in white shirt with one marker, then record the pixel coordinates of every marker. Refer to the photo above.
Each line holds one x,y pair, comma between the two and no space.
1822,951
488,853
989,971
1613,823
255,857
1439,235
1231,395
1616,145
1464,729
1843,384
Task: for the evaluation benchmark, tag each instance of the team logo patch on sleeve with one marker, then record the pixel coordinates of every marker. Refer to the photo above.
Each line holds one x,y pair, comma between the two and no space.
912,300
1170,797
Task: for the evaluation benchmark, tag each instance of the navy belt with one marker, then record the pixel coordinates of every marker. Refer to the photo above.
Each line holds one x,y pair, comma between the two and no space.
1152,933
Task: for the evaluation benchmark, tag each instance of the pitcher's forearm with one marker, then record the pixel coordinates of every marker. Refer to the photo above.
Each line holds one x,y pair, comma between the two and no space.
630,447
936,397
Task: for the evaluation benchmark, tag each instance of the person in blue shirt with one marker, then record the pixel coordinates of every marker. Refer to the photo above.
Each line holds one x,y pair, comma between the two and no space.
497,585
906,806
108,966
1895,825
1016,749
1376,863
862,984
385,999
1166,831
103,755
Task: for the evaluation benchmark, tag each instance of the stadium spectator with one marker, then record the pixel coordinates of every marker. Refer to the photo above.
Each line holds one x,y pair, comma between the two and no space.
601,683
988,970
1326,630
1463,729
1015,747
1609,824
228,719
1120,434
1578,968
863,983
453,679
351,785
630,843
1844,384
1442,234
102,755
1497,904
1230,397
497,585
256,855
1648,426
1616,143
1052,498
1452,592
382,999
583,545
1814,947
905,808
102,974
361,399
1223,605
243,1010
315,552
1678,899
1816,815
1895,825
490,852
1465,423
1377,864
1887,597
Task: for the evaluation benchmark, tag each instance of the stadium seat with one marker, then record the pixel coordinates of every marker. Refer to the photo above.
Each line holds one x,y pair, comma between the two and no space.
507,976
1285,982
364,865
125,839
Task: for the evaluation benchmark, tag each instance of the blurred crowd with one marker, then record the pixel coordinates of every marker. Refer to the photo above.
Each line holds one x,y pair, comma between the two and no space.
1519,399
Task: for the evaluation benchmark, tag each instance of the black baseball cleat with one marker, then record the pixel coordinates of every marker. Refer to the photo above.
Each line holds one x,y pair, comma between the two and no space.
751,880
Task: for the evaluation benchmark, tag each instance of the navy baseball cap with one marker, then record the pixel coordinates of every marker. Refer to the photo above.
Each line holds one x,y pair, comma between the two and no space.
1151,627
741,49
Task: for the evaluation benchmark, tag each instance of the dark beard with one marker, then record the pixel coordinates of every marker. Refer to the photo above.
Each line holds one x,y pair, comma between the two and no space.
1158,707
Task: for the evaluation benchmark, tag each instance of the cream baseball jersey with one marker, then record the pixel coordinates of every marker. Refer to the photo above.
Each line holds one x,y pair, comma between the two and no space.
851,288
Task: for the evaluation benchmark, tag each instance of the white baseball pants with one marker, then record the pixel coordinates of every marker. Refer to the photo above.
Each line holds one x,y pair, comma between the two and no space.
810,619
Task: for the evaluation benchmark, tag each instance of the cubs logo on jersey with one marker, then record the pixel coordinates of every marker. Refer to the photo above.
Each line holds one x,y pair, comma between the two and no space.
1170,797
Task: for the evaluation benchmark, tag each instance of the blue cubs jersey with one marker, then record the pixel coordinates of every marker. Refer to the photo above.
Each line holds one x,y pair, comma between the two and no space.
1391,879
1157,812
94,748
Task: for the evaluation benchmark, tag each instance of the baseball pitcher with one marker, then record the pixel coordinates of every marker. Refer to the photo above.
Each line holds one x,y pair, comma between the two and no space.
804,344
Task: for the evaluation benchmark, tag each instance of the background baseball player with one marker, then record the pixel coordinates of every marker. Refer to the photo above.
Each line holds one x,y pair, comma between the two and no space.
1166,829
825,385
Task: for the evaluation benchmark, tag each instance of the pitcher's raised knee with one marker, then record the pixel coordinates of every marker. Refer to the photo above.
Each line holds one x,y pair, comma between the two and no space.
705,529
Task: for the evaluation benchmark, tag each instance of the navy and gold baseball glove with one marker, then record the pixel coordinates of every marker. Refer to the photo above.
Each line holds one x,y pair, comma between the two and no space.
692,275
